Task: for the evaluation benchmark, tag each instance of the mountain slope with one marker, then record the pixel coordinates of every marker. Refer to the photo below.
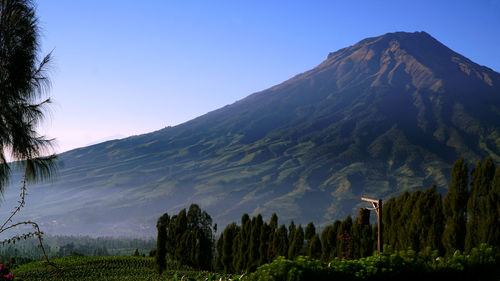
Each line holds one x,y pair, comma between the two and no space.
388,114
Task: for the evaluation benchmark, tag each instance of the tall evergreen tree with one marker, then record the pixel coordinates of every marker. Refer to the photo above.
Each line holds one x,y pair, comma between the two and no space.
390,217
296,244
494,196
327,247
487,211
362,239
183,253
329,244
254,244
400,219
315,247
243,240
374,237
273,223
273,227
280,241
265,235
366,242
472,237
455,207
434,220
236,251
230,233
171,236
219,255
161,242
414,210
291,231
345,242
309,232
179,241
356,238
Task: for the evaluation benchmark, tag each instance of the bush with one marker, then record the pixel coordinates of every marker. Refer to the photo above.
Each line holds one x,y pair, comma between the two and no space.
481,264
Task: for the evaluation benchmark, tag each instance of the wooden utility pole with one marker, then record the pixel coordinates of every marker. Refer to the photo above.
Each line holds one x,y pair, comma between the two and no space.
377,206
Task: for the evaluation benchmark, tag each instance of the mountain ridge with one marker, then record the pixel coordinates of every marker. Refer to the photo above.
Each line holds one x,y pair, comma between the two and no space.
388,114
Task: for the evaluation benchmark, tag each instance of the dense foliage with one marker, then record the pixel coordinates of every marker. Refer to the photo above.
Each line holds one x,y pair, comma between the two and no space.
186,238
481,264
416,221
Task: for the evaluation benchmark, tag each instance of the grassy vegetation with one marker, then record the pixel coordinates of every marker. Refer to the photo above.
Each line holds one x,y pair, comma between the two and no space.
480,264
111,268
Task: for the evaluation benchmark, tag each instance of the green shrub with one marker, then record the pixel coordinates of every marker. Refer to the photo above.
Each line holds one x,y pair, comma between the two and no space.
481,264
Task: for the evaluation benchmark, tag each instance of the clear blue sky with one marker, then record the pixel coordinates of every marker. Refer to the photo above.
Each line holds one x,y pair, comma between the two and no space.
129,67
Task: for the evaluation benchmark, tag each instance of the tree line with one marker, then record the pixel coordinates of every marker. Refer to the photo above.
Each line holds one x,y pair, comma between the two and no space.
467,215
24,251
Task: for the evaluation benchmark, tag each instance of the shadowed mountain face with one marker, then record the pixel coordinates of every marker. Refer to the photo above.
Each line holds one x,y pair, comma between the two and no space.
388,114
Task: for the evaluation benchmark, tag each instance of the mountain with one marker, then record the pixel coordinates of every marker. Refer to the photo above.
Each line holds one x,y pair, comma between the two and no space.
388,114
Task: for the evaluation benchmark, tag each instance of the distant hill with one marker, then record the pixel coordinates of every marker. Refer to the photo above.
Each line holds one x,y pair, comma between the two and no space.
389,114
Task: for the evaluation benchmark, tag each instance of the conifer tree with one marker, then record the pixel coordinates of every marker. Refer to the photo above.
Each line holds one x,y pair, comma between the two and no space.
366,242
333,238
487,211
390,215
273,227
243,240
291,231
362,239
179,241
264,246
399,220
374,237
494,199
315,247
309,232
454,208
344,243
327,243
280,241
254,244
171,236
219,254
182,253
414,210
273,223
356,234
296,244
161,242
471,237
434,220
236,251
230,233
204,249
271,251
